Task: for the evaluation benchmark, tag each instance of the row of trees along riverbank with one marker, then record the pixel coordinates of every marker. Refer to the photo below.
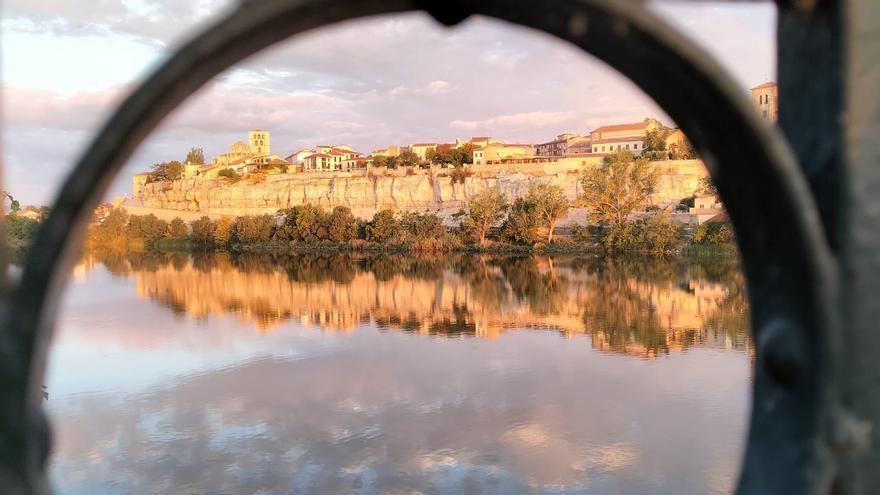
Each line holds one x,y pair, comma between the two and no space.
616,194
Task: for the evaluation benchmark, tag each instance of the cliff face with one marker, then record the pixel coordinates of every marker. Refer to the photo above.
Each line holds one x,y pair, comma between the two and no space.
426,190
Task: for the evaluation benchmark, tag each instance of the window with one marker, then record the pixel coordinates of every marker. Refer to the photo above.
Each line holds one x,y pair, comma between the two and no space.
627,146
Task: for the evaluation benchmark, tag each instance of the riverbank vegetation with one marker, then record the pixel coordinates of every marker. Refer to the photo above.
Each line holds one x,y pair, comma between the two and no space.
617,196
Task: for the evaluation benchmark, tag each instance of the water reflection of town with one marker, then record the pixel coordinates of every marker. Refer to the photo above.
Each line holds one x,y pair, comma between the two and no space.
643,307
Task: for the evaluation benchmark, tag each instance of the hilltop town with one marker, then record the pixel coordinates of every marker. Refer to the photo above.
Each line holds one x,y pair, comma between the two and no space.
251,178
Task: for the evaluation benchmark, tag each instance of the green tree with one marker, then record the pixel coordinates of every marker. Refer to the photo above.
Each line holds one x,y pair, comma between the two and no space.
550,205
177,228
407,158
522,225
14,204
303,223
203,230
707,187
382,227
618,188
166,171
19,231
196,156
223,231
682,150
380,161
153,228
253,229
486,209
655,144
340,224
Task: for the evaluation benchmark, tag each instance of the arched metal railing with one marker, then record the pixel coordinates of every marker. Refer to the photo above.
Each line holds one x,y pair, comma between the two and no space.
801,435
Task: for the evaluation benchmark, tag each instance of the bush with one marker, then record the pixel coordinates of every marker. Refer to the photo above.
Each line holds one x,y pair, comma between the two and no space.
251,229
382,227
654,234
20,231
203,230
223,231
714,233
459,174
177,229
341,225
148,228
523,224
229,174
306,223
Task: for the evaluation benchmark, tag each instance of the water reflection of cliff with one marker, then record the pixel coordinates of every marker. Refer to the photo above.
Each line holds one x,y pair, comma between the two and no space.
638,307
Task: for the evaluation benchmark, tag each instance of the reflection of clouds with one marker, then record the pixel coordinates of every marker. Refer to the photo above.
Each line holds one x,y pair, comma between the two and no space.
391,413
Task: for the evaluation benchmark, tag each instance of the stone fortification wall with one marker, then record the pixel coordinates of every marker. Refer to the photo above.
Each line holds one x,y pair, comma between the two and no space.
431,190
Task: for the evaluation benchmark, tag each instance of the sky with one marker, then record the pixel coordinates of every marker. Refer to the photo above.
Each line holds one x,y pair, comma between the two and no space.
391,80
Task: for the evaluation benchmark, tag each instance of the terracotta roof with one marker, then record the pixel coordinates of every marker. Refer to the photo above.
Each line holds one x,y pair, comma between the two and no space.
630,139
318,155
425,144
480,138
336,152
142,173
721,217
622,127
765,85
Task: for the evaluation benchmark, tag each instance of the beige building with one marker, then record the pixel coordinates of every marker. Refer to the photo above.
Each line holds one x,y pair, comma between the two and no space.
138,181
330,158
765,98
421,149
610,138
297,157
389,151
495,152
237,152
705,207
258,140
478,141
563,145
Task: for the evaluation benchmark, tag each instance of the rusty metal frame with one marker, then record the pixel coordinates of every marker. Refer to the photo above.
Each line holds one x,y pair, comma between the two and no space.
802,436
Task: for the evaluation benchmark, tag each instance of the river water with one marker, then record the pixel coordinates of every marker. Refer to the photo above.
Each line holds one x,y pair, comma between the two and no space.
173,373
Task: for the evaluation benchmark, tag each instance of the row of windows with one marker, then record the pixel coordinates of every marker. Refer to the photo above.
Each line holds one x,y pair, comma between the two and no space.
597,149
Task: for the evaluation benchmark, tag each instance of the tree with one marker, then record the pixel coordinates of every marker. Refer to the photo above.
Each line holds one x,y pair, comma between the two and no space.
166,171
407,158
340,224
251,229
14,205
203,230
707,187
655,144
522,225
19,231
485,210
380,161
223,231
682,150
196,156
617,188
550,205
177,229
382,227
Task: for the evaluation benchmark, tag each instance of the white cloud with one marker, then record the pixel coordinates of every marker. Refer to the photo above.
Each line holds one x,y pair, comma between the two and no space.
433,88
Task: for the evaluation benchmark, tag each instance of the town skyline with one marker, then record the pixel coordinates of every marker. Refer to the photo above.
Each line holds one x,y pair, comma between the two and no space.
387,80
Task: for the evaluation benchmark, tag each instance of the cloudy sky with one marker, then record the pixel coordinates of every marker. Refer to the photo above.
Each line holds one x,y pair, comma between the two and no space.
64,64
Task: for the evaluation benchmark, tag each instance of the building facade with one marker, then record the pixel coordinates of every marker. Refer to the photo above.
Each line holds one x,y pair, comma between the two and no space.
495,152
765,98
258,141
631,137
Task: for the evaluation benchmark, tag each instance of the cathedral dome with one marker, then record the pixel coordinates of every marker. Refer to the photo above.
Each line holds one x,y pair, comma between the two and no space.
239,147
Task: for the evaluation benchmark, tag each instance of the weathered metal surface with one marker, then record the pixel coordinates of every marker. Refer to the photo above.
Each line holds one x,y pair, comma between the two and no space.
807,420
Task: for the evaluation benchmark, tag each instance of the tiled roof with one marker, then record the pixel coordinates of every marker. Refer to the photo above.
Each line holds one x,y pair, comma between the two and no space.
622,127
425,144
630,139
765,85
318,155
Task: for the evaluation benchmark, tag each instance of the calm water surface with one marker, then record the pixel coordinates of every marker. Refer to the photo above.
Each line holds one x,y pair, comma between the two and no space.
394,374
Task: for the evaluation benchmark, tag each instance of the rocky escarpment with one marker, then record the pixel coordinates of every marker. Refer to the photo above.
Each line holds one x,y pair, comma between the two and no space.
432,190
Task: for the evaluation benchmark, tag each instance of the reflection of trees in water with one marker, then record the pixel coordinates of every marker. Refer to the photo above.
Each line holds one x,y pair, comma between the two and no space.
621,310
645,307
